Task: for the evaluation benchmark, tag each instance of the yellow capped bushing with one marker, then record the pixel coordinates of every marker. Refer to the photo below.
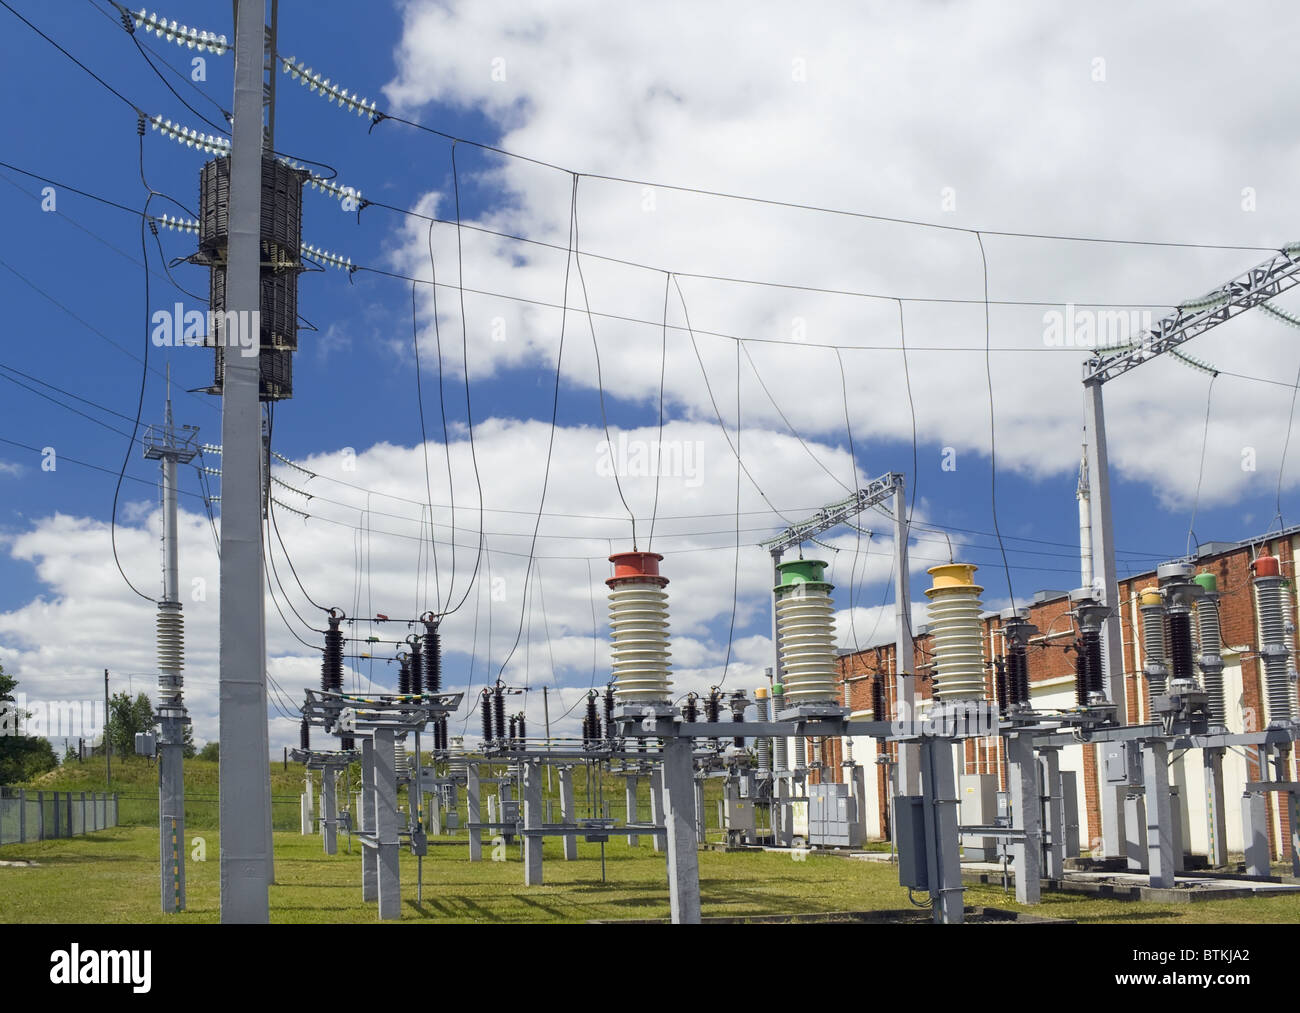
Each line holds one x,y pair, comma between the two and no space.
1149,596
760,693
954,613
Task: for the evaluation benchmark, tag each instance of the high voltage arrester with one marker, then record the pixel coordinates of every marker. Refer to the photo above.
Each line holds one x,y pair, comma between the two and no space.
499,710
485,704
432,653
417,665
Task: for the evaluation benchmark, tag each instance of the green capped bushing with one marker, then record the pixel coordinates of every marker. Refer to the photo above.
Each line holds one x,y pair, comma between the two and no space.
801,571
1208,581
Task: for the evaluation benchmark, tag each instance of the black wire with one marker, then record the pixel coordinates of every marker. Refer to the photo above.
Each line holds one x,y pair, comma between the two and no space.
101,81
816,460
993,446
380,116
735,580
853,461
469,414
424,445
139,407
1286,444
446,446
181,75
709,387
555,411
911,407
600,383
1200,472
270,512
663,365
222,128
849,293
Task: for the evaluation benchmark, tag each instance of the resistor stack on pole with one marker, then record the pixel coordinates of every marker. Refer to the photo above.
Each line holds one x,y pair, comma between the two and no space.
485,705
638,617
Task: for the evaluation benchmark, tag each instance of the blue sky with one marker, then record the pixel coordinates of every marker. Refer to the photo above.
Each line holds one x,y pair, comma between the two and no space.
887,126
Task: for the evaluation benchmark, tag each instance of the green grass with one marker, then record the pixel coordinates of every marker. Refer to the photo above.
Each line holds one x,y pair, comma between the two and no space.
111,876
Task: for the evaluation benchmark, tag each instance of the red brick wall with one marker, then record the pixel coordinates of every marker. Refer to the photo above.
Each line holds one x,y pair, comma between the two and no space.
1049,660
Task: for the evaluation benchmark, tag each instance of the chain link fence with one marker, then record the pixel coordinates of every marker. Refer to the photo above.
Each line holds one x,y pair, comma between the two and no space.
43,815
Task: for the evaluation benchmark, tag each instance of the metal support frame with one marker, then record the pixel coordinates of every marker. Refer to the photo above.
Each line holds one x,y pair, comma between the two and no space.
245,803
939,789
1261,283
1054,810
657,802
532,772
369,857
1216,825
385,841
474,811
633,812
679,820
567,814
1160,835
1022,782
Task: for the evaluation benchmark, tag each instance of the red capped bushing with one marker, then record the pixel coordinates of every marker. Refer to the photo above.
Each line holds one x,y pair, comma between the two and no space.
642,567
1266,566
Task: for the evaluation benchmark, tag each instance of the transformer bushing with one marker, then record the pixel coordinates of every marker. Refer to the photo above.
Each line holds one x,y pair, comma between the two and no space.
1090,614
780,744
805,627
638,618
954,613
1152,608
763,746
1269,583
1210,661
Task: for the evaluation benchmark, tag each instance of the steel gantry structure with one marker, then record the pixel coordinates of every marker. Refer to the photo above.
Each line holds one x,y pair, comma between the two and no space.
1254,287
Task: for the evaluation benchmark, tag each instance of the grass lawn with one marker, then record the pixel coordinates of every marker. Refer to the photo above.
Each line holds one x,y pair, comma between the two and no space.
111,876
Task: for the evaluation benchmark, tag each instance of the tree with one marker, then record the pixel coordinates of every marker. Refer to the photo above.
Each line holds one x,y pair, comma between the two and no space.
126,717
71,754
210,751
22,757
189,748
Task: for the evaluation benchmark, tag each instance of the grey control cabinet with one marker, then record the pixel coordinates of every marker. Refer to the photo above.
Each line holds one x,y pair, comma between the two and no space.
832,816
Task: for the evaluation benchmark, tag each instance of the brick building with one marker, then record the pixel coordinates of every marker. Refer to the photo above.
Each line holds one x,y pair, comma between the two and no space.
1052,684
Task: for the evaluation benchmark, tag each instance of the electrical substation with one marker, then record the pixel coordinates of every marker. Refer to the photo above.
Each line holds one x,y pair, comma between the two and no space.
1132,738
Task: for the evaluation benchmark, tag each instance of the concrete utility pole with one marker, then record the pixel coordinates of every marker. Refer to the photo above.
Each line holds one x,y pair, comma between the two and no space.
108,750
163,445
245,763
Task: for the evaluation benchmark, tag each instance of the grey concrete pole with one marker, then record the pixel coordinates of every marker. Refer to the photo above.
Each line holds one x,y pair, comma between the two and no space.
1254,828
567,815
1135,829
1104,579
474,812
1160,839
369,855
1055,815
701,834
683,858
329,799
633,811
1216,827
385,768
657,803
532,821
909,757
245,764
940,789
1022,771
